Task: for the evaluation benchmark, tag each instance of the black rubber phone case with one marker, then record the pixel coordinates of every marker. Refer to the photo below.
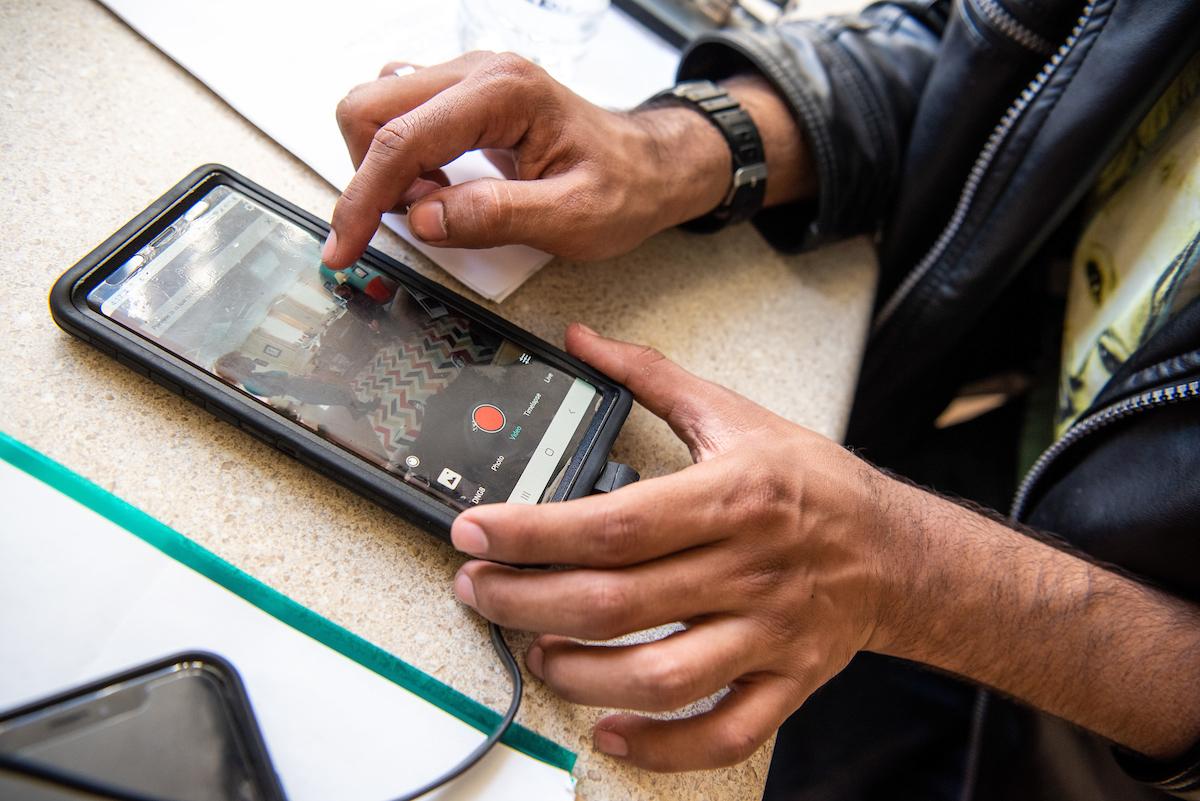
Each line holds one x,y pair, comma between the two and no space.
68,305
233,691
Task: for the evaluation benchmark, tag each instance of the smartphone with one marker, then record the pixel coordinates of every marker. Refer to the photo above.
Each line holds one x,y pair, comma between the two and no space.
180,728
379,378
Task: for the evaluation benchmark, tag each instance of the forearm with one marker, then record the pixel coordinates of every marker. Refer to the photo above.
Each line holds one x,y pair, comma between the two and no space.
692,161
976,598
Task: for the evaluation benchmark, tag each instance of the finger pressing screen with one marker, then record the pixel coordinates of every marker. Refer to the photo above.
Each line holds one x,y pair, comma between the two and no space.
426,138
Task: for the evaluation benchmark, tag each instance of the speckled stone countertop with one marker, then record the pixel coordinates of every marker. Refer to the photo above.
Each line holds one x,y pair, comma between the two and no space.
82,153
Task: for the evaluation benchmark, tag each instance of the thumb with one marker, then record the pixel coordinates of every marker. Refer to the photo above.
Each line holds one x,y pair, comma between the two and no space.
488,212
706,416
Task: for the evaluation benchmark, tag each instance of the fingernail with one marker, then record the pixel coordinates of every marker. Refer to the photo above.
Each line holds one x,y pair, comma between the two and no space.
587,329
533,660
469,538
330,248
611,743
464,589
428,221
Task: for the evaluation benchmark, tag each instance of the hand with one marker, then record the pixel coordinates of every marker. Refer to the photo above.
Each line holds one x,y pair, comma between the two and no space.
590,183
763,548
785,555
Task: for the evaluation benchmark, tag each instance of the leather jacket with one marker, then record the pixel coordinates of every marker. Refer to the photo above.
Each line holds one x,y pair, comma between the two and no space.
963,136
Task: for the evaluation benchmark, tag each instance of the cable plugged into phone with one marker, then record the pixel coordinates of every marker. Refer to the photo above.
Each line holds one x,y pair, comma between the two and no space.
615,476
514,673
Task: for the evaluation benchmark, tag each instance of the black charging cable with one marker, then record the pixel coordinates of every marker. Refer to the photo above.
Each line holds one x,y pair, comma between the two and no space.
71,781
514,673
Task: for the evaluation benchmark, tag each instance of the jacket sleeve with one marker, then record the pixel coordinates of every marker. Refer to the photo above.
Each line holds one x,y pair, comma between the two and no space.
853,83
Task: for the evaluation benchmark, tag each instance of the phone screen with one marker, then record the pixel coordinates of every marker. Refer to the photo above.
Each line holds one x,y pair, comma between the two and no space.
169,733
398,377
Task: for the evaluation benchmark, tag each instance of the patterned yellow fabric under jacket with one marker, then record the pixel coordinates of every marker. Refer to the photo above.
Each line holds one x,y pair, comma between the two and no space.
1135,264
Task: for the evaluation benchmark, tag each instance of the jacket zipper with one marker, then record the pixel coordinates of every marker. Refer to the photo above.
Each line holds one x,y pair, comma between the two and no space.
979,170
1094,422
1002,20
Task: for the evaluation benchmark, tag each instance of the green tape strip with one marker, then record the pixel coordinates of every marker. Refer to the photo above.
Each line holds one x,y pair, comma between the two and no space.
276,604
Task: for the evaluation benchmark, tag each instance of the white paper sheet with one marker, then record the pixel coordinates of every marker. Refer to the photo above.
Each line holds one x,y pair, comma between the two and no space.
285,66
81,598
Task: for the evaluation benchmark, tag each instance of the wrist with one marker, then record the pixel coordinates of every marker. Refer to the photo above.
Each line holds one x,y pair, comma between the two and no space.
896,526
851,506
687,163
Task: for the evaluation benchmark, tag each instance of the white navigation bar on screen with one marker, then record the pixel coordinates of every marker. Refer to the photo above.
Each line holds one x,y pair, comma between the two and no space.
549,451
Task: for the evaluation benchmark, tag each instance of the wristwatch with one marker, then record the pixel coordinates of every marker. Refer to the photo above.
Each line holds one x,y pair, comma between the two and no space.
748,184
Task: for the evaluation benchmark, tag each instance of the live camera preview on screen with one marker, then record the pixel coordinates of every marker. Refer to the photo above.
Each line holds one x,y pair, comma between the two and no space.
381,369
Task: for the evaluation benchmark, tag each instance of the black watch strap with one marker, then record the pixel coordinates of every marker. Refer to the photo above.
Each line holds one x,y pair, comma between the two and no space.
748,185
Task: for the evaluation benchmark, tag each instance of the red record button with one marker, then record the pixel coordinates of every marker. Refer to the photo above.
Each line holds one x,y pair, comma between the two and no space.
488,418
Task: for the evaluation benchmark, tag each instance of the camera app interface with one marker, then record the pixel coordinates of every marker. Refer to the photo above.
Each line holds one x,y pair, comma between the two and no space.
395,376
